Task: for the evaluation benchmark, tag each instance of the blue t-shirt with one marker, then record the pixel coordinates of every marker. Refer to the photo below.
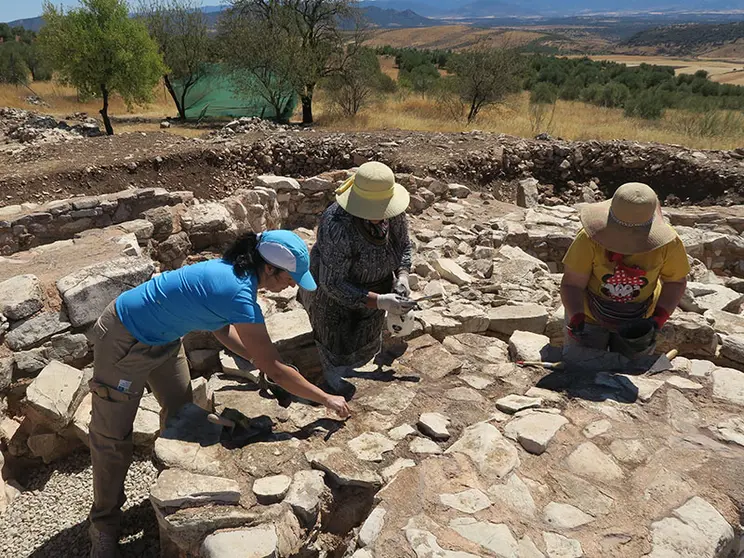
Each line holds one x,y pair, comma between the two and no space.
205,296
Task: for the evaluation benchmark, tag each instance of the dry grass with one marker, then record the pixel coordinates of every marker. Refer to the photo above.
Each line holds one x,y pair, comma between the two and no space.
572,120
64,100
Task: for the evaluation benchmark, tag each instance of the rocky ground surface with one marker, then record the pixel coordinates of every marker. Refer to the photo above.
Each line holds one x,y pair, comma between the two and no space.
452,451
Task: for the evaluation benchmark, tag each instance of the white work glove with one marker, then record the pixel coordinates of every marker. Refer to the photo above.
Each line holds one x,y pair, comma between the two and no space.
401,285
395,304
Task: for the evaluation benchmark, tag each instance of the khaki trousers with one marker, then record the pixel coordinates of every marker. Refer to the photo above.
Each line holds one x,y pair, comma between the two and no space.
122,367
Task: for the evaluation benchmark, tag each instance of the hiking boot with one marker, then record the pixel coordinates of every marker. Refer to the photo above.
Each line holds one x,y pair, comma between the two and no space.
103,545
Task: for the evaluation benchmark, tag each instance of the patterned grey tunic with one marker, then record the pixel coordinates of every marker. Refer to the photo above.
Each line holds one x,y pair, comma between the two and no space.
347,264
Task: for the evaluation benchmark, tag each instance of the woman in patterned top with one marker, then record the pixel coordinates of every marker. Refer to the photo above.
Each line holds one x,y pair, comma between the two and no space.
361,262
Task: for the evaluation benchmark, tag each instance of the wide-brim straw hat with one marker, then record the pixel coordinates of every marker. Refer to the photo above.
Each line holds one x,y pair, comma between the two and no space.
373,194
629,223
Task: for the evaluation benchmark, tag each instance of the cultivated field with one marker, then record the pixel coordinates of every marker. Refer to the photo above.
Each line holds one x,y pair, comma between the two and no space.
724,71
451,37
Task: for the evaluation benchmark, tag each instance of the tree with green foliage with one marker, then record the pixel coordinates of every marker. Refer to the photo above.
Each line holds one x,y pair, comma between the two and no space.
543,99
313,27
421,79
180,29
13,67
99,50
484,76
648,105
256,70
357,85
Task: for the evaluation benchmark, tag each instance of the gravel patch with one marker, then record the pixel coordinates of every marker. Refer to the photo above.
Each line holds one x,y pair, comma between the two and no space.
49,520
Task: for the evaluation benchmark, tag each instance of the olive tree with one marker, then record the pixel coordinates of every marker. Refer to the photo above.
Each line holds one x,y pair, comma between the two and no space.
99,50
180,29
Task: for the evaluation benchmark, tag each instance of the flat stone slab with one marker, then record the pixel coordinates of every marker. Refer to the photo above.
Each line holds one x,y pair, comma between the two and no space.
289,329
36,330
683,384
389,472
270,490
523,317
646,387
728,385
514,403
424,446
565,516
401,432
558,546
372,527
597,428
495,537
696,529
534,431
371,446
528,346
731,430
590,462
467,501
434,425
514,494
343,468
176,488
487,448
256,542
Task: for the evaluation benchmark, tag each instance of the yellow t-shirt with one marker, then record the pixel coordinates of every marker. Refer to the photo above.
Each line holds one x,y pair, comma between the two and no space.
668,263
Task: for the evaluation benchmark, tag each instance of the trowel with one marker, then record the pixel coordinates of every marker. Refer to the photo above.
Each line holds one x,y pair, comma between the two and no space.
663,363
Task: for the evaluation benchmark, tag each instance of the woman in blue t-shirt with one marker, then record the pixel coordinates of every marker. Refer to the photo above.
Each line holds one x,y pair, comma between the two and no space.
137,341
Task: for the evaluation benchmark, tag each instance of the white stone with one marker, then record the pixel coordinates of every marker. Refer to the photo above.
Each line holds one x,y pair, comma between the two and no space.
452,272
238,367
425,446
305,494
20,297
371,446
700,298
176,488
732,348
565,516
514,403
434,425
646,387
696,530
476,382
497,538
527,346
401,432
545,395
683,383
270,490
701,368
467,501
629,451
528,549
515,494
147,421
731,430
425,544
726,322
343,468
88,292
388,473
56,392
534,431
728,385
590,462
289,329
491,453
256,542
558,546
372,527
277,183
597,428
682,365
523,317
458,191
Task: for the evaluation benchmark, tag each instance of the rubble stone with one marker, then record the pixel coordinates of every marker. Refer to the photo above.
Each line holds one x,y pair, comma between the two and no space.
728,385
21,297
527,346
468,501
452,272
271,490
56,393
522,317
256,542
305,495
37,330
515,403
434,425
176,488
491,453
534,431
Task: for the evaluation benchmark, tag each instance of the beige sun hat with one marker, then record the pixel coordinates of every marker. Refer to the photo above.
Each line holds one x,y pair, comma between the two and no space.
629,223
373,194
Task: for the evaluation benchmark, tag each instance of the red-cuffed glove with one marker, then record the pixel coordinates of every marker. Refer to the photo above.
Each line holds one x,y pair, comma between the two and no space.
660,317
576,325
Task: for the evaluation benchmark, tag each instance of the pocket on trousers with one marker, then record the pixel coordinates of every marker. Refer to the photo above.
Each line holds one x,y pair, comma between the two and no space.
113,411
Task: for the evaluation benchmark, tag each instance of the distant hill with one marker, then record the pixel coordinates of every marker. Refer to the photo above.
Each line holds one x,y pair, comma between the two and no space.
687,39
377,16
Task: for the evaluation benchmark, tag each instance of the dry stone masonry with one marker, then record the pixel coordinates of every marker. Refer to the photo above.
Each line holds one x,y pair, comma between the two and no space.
453,449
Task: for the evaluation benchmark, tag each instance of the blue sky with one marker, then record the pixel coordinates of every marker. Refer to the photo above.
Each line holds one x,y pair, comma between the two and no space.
19,9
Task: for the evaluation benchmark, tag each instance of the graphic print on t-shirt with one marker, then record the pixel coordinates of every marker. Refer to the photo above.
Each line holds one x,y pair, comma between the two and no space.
625,284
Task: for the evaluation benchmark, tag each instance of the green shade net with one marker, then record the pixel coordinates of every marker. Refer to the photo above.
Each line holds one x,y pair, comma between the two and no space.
214,96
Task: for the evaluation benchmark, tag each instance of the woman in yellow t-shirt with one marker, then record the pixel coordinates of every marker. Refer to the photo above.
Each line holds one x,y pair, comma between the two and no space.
625,273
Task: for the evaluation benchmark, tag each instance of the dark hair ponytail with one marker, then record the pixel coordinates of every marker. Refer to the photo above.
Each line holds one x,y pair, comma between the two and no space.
243,255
